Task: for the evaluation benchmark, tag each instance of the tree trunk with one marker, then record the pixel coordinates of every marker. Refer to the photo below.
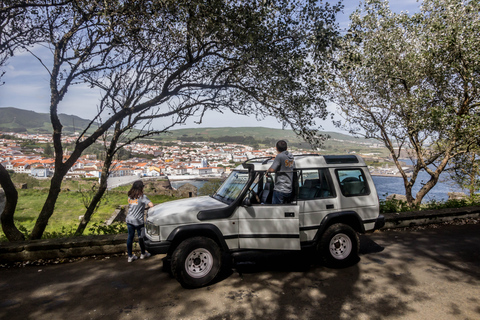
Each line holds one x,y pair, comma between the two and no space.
407,183
49,205
92,207
425,189
11,196
112,150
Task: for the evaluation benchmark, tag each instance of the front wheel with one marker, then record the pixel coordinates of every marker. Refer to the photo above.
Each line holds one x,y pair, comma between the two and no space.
339,246
196,262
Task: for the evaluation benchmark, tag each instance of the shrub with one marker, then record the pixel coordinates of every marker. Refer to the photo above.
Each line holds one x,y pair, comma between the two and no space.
114,228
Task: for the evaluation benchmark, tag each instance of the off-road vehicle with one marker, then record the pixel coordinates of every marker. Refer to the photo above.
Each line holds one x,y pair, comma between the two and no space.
334,198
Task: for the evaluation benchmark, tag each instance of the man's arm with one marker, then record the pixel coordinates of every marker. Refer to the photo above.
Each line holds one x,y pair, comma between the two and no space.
275,165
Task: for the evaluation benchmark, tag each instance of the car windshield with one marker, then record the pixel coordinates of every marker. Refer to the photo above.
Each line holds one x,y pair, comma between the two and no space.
232,187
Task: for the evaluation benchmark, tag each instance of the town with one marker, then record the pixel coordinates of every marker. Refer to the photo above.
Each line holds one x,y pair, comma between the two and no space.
177,161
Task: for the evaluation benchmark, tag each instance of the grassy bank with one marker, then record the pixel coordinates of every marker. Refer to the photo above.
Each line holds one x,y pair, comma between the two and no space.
70,205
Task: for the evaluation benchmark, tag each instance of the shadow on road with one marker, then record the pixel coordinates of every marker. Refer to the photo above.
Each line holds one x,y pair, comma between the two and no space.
399,275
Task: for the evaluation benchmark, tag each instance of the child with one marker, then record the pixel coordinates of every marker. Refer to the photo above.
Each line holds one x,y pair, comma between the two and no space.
137,202
283,166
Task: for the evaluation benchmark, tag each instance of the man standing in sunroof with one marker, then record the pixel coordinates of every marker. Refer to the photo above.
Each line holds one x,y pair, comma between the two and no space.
282,166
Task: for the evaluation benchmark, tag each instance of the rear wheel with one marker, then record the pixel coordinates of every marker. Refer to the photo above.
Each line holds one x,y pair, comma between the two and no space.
196,262
339,246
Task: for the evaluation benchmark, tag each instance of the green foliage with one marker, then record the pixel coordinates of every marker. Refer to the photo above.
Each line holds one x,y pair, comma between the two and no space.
114,228
68,208
210,187
20,178
412,81
64,232
397,206
465,170
48,150
393,206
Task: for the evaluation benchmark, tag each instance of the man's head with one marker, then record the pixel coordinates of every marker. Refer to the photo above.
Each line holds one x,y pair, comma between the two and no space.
281,145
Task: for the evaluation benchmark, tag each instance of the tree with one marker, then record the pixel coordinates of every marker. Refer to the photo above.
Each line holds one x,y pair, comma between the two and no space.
48,151
180,59
123,135
210,187
412,82
11,195
17,29
465,171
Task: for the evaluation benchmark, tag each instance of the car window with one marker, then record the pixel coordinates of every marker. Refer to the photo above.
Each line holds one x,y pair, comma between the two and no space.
314,184
352,182
232,187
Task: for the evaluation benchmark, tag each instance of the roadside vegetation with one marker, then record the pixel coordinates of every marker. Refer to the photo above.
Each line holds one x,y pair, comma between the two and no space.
70,207
398,206
77,192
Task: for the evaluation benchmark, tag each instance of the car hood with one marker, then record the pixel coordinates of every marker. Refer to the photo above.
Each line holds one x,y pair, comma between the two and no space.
182,211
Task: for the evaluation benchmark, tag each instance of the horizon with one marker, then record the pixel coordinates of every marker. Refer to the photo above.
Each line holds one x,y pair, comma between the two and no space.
177,129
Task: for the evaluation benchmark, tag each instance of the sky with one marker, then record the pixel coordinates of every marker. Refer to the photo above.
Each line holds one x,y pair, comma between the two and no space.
27,86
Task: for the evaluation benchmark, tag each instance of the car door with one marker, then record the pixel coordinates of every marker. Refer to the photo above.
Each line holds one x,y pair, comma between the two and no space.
317,198
267,226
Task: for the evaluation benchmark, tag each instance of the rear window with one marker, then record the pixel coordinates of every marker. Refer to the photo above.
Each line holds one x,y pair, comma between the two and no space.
352,182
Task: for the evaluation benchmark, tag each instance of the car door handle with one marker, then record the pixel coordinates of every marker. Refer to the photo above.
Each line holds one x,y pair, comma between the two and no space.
289,214
330,206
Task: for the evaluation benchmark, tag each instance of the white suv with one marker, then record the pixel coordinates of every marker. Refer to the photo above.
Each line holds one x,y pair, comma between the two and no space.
334,198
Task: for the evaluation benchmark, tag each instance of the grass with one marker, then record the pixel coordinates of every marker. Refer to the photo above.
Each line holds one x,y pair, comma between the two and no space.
69,206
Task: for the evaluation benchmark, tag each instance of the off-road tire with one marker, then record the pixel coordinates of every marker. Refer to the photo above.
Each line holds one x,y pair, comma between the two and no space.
167,265
339,246
196,262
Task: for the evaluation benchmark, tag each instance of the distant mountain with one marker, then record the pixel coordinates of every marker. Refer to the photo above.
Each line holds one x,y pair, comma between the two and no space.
19,120
258,133
338,143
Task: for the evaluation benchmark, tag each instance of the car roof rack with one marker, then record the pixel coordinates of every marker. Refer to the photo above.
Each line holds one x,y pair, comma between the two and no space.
248,163
341,159
306,155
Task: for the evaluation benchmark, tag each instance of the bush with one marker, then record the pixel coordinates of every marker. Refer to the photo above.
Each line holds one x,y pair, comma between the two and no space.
114,228
394,205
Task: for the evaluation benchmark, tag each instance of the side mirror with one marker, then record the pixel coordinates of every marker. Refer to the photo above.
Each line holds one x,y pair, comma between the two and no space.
246,202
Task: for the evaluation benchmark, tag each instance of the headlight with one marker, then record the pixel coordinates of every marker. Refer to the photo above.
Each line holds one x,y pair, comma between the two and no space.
153,229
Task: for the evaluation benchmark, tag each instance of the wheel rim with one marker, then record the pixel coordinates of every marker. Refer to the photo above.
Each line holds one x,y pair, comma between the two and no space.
340,246
199,263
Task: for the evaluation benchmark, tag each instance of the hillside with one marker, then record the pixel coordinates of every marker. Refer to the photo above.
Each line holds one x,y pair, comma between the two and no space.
258,133
19,120
338,143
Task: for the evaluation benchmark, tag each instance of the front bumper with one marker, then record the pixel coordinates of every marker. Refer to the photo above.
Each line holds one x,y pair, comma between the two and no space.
379,223
156,247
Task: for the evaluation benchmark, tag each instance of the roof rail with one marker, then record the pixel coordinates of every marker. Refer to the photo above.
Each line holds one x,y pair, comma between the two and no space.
341,159
306,155
246,164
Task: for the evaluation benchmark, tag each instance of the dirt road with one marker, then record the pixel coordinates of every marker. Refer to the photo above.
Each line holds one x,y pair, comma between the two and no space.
414,274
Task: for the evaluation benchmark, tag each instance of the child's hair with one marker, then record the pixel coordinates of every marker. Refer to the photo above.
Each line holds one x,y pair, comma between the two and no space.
281,145
136,191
